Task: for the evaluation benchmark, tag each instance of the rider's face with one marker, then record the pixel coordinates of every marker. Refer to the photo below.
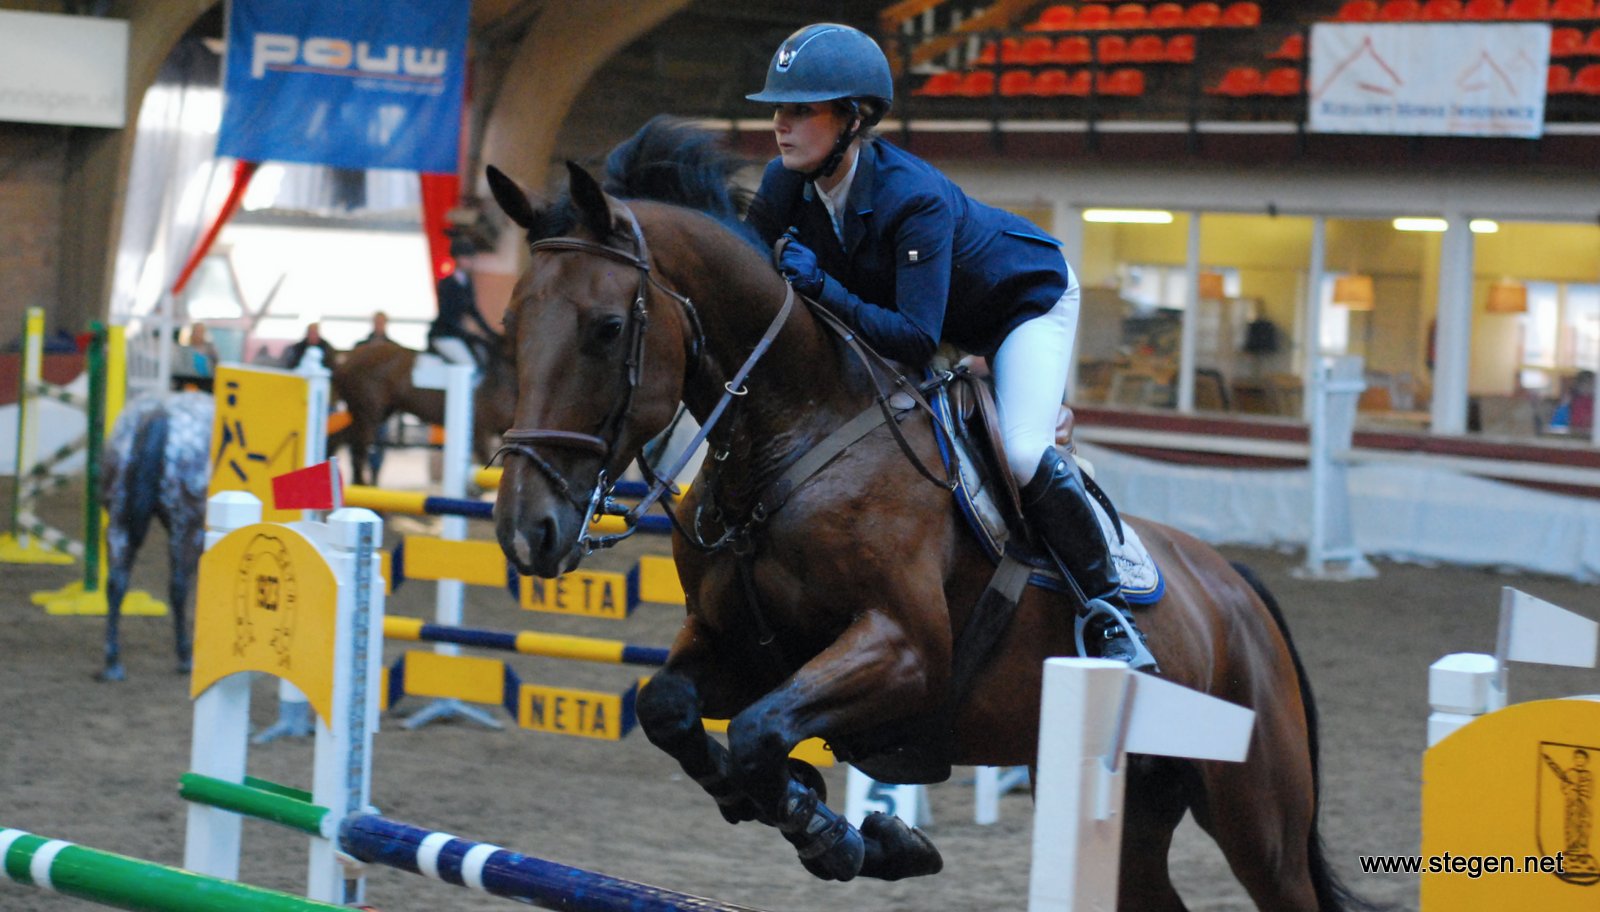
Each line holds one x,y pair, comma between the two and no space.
806,133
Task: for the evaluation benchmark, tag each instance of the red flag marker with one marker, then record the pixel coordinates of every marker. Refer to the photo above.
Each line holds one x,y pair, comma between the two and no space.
317,487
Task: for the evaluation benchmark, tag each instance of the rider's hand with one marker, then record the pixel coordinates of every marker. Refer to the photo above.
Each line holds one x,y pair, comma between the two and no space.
799,265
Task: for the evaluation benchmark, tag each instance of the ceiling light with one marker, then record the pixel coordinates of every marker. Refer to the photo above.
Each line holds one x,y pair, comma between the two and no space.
1129,216
1420,224
1484,226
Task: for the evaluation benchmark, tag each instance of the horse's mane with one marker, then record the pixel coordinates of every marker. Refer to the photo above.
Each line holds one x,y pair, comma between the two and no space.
669,160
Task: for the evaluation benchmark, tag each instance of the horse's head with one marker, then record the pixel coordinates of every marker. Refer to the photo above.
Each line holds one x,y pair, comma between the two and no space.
599,354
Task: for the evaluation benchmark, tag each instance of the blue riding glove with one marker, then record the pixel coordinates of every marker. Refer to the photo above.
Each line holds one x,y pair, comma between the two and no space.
799,265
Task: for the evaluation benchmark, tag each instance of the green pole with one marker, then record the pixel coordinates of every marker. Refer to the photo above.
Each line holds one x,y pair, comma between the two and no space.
96,426
128,883
260,800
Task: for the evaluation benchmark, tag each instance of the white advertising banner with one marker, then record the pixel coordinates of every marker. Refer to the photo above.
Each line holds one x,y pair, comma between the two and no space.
57,69
1428,80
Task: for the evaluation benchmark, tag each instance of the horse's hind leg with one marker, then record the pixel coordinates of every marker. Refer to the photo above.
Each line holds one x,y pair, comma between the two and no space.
119,567
1260,813
1158,795
187,539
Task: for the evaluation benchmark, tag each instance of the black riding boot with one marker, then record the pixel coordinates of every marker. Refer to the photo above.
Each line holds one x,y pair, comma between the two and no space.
1058,506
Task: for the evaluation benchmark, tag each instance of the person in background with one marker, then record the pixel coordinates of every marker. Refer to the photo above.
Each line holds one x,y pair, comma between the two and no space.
449,334
201,352
1575,413
380,330
313,338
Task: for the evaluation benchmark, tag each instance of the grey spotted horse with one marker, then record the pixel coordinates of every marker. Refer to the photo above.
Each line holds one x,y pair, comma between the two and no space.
156,466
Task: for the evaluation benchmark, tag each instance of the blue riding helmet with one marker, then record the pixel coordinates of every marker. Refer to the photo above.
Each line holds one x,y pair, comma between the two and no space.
824,62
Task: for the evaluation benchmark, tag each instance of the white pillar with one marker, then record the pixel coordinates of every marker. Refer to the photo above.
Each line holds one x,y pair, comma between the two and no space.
1067,225
1311,342
1453,348
1191,317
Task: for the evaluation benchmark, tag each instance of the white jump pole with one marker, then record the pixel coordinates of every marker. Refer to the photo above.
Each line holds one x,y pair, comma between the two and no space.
1094,713
1335,390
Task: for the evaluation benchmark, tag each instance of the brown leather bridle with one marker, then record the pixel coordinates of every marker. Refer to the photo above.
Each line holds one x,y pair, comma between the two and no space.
522,441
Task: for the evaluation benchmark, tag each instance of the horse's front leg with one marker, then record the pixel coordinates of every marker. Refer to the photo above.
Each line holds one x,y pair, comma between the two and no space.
669,709
874,673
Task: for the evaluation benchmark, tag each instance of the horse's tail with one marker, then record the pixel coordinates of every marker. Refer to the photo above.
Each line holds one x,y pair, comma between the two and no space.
141,481
1333,895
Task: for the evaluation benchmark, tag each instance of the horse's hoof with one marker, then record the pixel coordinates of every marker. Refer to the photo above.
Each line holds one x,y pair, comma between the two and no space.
895,850
112,674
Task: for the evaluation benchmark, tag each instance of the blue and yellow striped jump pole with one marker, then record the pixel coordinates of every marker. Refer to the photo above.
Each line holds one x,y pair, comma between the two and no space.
527,642
419,503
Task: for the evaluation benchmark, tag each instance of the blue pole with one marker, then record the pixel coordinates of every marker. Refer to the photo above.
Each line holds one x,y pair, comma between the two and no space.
491,869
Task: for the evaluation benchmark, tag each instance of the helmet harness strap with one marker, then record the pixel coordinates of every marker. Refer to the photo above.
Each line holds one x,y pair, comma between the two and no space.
851,130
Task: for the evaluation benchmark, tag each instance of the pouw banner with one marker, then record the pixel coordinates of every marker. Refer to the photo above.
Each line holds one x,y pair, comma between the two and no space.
350,83
1429,80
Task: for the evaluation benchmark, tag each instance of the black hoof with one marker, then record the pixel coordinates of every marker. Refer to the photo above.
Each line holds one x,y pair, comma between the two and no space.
112,674
896,851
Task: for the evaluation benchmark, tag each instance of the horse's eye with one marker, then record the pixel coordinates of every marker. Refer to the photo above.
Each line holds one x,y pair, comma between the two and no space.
608,331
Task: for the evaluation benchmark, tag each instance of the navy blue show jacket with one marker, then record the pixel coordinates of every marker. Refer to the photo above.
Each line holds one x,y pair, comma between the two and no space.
921,262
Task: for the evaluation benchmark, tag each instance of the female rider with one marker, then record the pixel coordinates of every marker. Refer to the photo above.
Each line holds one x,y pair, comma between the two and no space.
889,244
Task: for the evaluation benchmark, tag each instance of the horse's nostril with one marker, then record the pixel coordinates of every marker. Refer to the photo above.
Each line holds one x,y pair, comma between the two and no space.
547,531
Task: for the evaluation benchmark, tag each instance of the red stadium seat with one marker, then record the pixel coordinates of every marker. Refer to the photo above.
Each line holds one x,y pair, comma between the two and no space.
1035,51
1358,11
1054,19
1166,15
1400,11
977,83
1123,83
1238,83
1094,15
1572,9
1051,83
1441,11
1130,16
1483,10
1011,50
940,84
1566,42
1180,49
1587,80
1073,49
1079,85
1558,81
1528,9
1242,15
1203,15
1147,49
1292,48
1016,82
1283,82
1592,46
1111,49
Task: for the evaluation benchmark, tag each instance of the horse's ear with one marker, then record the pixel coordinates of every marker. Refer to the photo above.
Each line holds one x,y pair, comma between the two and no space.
594,207
513,199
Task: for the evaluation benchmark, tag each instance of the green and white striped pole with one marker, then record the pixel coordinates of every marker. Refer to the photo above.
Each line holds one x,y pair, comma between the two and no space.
128,883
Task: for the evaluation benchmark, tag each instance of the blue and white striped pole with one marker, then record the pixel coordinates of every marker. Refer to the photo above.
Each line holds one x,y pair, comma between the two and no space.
492,869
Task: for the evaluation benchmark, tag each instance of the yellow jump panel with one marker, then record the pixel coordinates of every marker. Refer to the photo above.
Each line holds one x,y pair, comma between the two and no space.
468,678
1516,786
478,563
589,593
585,713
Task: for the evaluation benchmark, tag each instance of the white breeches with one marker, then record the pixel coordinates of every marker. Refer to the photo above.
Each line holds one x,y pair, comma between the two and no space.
1030,378
454,350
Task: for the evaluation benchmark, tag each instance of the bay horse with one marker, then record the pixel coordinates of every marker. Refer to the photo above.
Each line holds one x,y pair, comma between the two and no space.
836,616
156,466
374,380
